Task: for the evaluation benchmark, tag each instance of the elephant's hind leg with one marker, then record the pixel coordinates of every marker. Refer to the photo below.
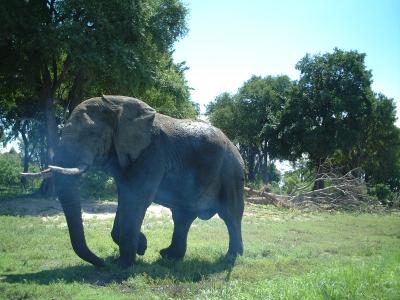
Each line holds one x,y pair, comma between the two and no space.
182,221
231,212
142,243
235,235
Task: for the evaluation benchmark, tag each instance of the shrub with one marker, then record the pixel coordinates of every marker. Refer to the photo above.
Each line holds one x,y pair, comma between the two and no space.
385,195
96,183
10,168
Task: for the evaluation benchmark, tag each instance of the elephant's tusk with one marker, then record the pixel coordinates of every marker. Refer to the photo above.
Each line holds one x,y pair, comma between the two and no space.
69,171
43,174
49,172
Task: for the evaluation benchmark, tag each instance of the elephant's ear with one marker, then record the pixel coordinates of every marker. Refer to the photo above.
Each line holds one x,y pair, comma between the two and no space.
134,129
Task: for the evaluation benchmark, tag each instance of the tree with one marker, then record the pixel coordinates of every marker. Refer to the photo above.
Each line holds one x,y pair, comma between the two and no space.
251,118
382,145
10,164
68,49
22,121
170,92
222,113
328,108
57,52
378,151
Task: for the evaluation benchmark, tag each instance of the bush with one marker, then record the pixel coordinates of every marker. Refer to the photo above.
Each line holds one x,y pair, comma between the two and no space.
385,195
96,183
10,167
11,184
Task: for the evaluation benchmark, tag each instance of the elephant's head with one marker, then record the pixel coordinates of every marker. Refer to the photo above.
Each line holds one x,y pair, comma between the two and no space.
96,129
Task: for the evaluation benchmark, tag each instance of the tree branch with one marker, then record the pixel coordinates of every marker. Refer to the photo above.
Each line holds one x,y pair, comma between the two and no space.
55,71
61,78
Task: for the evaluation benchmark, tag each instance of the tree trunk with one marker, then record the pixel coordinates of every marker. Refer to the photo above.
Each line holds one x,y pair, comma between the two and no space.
319,182
47,187
251,161
26,155
77,91
51,126
50,84
43,160
26,149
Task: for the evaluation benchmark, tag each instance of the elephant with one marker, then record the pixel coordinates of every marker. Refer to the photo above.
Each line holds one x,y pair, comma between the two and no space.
186,165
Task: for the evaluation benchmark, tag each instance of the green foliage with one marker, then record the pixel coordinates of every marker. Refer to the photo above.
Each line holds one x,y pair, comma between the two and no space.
301,176
329,106
10,178
96,184
84,48
291,181
250,118
379,152
170,93
381,191
274,187
385,195
330,113
222,112
289,254
112,41
270,173
10,167
55,54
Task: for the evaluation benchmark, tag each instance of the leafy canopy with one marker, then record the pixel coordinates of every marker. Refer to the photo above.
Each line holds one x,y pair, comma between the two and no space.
329,106
250,118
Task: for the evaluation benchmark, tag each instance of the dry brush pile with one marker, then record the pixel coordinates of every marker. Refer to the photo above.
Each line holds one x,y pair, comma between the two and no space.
339,192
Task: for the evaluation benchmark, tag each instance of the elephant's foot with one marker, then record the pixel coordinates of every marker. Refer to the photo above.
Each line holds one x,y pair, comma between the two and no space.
172,253
126,257
233,253
238,250
124,264
142,243
235,250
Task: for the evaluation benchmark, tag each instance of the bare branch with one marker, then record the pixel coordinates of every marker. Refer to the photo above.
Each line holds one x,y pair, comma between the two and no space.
343,191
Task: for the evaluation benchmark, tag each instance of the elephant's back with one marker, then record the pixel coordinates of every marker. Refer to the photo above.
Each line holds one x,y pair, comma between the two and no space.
199,139
197,132
185,128
197,154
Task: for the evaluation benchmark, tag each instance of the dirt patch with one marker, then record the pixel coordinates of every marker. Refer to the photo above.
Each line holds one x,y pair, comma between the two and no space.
46,208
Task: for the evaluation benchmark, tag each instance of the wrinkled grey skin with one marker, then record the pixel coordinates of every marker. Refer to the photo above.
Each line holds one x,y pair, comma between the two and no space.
188,166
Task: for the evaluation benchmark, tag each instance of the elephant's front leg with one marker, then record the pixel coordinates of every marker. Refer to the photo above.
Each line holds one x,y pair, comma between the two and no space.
142,243
130,220
137,187
182,221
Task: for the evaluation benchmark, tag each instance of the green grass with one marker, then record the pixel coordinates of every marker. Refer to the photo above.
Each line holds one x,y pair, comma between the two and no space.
288,255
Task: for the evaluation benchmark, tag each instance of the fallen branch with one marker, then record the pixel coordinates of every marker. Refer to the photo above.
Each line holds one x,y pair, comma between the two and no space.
343,191
262,197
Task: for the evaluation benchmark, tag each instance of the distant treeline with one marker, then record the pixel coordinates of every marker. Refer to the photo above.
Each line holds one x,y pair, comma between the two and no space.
330,113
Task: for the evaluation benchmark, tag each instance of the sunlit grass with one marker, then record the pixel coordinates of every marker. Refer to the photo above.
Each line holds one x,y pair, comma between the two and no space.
289,254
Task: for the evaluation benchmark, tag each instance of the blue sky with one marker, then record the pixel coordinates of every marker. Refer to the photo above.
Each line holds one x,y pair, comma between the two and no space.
228,41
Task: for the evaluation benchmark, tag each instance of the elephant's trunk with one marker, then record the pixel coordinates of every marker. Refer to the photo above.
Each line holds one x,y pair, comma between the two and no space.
68,192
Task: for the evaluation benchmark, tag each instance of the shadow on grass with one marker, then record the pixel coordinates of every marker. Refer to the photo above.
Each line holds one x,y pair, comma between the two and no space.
188,270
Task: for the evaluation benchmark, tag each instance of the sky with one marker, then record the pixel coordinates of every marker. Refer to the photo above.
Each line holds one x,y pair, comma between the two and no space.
229,41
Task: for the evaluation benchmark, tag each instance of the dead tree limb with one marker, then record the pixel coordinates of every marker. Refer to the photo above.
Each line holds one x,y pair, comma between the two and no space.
341,191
